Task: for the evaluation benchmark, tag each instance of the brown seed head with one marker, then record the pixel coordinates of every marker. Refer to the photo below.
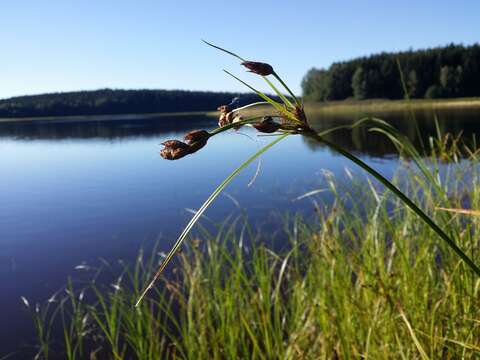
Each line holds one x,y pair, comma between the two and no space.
258,68
174,150
175,144
267,125
196,135
226,118
224,109
230,116
197,145
222,120
174,154
237,119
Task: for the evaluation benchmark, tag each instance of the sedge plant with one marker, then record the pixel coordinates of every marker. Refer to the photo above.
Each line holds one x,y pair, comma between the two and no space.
286,118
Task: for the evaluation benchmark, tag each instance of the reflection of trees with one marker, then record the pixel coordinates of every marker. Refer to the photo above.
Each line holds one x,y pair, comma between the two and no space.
359,140
110,129
363,141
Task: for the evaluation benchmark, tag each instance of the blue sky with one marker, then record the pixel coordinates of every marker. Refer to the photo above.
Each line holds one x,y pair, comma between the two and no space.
71,45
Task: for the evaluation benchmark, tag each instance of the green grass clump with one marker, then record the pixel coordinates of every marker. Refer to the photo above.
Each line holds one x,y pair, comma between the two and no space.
364,279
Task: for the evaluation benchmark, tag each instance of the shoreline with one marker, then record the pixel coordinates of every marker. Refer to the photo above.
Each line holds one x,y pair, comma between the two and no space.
358,106
104,117
330,107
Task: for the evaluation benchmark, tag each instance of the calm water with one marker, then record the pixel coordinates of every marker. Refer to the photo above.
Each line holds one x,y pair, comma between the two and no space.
71,193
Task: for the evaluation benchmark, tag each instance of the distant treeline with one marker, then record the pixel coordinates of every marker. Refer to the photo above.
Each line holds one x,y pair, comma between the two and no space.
107,101
443,72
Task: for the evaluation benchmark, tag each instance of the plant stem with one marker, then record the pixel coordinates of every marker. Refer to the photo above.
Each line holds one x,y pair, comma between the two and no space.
202,209
251,105
236,124
287,88
397,192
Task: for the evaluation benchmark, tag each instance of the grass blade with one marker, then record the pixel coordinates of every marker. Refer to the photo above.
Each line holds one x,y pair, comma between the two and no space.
415,340
272,102
199,213
224,50
461,211
405,199
287,88
279,94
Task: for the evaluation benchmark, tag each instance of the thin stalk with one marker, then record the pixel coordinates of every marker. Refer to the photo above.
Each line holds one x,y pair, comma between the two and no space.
272,102
285,100
251,105
202,209
409,203
224,50
287,88
236,124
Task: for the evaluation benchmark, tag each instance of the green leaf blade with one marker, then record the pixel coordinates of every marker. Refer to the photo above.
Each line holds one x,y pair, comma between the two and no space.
202,209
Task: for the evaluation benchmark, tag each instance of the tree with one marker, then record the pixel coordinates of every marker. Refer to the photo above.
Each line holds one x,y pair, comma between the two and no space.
315,85
451,80
339,81
434,92
359,84
449,71
412,84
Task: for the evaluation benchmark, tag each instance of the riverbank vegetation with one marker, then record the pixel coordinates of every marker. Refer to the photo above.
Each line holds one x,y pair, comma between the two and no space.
363,278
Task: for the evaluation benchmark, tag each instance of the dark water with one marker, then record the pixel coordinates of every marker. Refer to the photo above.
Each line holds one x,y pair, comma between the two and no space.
74,192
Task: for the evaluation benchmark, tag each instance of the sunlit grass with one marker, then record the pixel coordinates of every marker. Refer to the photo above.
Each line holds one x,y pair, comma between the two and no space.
364,279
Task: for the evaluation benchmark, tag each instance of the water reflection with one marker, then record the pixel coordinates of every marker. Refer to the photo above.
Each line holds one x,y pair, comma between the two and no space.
101,129
418,128
90,189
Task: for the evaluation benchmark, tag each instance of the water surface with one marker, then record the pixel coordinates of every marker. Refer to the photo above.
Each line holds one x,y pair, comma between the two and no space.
72,192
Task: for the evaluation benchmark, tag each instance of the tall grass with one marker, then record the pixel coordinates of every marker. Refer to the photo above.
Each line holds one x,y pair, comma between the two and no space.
363,279
291,120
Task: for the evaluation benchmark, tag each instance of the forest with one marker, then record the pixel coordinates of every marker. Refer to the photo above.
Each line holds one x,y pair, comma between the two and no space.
441,72
108,101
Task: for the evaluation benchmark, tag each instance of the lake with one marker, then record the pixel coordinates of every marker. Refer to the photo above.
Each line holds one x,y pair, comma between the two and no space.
74,192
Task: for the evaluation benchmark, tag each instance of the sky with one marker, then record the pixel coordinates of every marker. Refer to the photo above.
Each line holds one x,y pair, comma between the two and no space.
50,45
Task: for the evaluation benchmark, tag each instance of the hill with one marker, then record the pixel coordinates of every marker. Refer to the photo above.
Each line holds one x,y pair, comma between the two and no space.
110,102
